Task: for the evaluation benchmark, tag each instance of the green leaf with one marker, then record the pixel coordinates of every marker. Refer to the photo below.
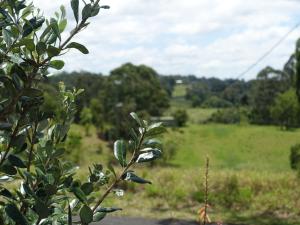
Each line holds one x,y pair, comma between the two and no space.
16,161
130,176
87,11
136,118
45,33
62,25
6,193
53,51
79,47
15,69
120,152
29,43
8,169
31,25
154,143
57,64
75,8
55,28
59,152
17,81
87,188
111,169
18,143
7,37
99,216
155,129
63,11
14,213
38,23
41,48
32,92
148,155
95,11
41,209
86,214
79,194
5,14
5,126
108,210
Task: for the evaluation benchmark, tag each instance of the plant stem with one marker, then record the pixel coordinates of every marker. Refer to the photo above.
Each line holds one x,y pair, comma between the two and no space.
14,134
132,161
206,191
31,148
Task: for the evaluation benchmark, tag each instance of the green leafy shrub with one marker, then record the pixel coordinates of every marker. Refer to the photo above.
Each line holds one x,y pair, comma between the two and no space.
229,116
232,195
229,194
285,110
181,117
73,147
216,102
295,157
32,145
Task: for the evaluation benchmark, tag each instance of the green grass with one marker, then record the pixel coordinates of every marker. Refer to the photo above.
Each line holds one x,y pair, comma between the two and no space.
236,147
199,115
179,91
262,199
258,156
266,192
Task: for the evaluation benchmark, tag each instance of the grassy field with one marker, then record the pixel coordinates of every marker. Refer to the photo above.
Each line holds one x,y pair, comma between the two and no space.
250,179
235,147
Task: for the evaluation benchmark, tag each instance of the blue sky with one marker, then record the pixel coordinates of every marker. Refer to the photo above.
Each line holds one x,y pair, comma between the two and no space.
201,37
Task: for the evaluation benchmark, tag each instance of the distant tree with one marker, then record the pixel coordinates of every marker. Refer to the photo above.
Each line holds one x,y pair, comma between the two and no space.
181,117
237,93
297,70
97,111
131,88
168,83
269,84
216,102
86,118
285,110
197,93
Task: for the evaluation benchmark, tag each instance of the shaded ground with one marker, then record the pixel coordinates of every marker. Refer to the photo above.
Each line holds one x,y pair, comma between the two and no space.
140,221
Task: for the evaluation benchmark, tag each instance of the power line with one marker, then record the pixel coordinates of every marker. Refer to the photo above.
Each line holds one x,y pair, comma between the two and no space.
267,53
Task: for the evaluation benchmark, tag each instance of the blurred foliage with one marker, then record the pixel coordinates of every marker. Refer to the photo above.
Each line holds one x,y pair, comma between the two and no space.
37,184
181,117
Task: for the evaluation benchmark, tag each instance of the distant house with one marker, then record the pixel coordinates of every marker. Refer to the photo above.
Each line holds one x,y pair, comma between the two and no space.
167,121
179,81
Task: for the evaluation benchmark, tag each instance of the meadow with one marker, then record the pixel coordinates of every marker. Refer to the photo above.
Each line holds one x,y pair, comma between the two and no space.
250,180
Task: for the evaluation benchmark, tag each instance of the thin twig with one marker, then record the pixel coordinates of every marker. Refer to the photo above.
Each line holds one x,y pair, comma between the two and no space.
31,147
14,134
132,161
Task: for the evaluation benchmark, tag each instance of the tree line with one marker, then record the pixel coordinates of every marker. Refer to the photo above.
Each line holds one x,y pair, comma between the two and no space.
270,98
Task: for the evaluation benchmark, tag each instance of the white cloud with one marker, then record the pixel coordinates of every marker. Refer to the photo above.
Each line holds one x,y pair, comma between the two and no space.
202,37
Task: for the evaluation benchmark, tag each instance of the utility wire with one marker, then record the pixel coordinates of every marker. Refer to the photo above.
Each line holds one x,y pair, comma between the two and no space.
267,53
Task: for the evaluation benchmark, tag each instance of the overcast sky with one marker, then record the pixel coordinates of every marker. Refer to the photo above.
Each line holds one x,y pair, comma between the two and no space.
218,38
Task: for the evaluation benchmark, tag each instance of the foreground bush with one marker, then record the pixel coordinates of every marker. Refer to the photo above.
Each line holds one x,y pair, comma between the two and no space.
33,141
